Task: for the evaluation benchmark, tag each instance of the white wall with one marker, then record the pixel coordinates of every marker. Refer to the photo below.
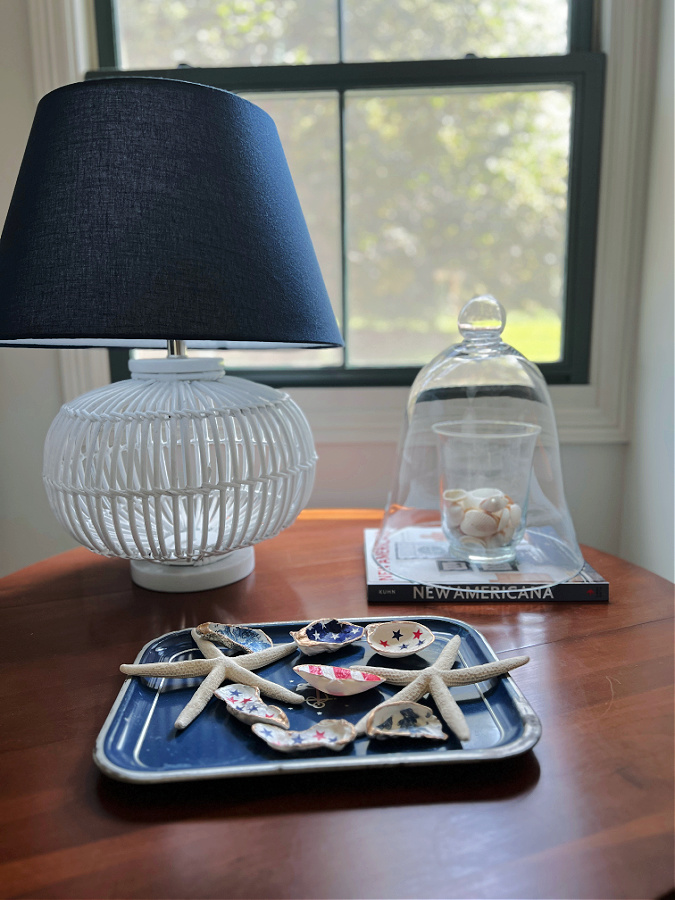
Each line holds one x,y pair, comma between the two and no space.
649,502
30,393
352,471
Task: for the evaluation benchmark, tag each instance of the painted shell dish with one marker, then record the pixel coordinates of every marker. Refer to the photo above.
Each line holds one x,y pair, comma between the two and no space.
237,638
245,704
337,681
331,734
400,718
399,638
326,636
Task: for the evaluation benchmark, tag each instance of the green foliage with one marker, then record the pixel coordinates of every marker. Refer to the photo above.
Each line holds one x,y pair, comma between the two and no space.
163,33
455,195
441,29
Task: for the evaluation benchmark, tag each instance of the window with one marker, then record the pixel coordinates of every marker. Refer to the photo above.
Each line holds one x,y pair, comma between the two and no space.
440,148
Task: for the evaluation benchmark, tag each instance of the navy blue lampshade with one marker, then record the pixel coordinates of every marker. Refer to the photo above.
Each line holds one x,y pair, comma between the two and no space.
148,209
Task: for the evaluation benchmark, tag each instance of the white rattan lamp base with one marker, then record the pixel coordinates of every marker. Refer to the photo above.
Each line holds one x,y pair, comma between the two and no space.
178,578
181,462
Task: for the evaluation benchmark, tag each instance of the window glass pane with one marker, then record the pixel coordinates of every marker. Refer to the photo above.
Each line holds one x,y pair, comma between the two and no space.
437,29
155,34
453,193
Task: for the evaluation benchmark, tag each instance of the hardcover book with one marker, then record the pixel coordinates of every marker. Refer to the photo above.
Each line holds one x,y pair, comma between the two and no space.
454,580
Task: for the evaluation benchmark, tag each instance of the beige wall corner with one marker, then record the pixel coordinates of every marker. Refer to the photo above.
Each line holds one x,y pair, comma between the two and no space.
30,380
649,501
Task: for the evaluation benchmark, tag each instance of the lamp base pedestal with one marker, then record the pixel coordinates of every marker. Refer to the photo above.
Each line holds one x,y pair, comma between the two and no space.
175,578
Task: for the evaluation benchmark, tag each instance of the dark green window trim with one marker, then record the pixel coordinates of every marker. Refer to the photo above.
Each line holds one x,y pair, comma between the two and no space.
582,69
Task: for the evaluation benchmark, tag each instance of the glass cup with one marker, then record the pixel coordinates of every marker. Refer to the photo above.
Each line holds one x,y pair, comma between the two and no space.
485,469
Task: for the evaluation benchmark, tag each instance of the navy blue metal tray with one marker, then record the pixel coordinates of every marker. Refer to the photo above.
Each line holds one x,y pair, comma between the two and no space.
138,741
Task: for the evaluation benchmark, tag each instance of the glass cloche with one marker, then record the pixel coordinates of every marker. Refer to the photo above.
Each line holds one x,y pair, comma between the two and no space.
478,494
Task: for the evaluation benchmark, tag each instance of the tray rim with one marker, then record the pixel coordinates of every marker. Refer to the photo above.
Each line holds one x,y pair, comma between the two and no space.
530,735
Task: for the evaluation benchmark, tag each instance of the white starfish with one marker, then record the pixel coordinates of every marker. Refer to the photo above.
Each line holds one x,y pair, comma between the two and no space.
436,679
217,669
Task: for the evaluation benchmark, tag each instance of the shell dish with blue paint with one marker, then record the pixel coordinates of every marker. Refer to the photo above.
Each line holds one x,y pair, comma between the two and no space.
326,636
401,718
236,638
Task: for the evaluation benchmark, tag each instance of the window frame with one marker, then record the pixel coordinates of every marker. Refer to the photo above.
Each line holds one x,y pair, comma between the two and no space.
583,69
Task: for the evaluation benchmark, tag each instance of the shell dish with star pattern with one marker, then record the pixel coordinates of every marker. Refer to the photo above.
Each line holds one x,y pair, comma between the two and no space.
330,734
399,638
245,703
326,636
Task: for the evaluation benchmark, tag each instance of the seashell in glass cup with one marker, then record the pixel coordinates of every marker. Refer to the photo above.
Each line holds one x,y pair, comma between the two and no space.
400,718
331,734
399,638
245,704
326,636
237,638
336,680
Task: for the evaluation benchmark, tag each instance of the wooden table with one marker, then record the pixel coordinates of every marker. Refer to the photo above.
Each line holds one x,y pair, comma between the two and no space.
587,813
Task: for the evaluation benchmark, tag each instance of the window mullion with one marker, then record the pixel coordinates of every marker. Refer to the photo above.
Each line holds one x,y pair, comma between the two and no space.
580,28
107,44
379,75
340,30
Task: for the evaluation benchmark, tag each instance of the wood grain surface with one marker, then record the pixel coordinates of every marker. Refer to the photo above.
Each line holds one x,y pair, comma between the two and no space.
587,813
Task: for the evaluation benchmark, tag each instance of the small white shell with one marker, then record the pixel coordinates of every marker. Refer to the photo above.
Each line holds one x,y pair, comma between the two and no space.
478,523
331,734
504,519
483,493
474,499
400,718
399,638
326,636
337,681
245,704
516,514
454,514
494,502
454,495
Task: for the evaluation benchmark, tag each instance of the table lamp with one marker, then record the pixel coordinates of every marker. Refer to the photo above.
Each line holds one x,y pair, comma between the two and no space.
157,213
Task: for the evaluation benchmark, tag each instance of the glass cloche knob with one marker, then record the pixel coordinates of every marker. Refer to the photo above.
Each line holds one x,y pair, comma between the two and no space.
482,318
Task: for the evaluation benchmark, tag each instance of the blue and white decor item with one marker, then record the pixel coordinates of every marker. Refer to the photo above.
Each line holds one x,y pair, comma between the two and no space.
330,734
399,638
400,718
237,638
487,716
157,213
245,703
326,636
